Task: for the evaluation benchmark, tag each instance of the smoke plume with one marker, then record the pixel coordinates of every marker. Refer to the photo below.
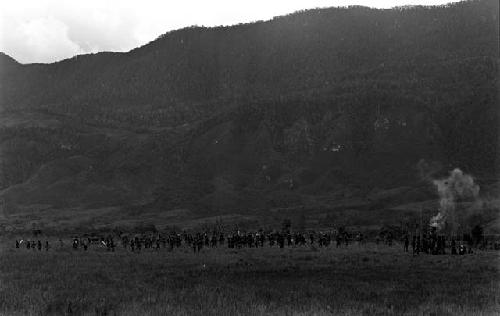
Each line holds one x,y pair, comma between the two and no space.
457,187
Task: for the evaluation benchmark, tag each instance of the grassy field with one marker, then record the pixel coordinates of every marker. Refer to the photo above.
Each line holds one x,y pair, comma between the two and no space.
359,280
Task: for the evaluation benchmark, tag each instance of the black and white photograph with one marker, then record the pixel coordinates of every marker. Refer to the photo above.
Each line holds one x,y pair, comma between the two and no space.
249,157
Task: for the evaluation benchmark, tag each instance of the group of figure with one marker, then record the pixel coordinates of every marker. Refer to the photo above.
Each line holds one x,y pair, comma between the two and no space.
427,243
85,243
437,245
198,241
260,239
32,244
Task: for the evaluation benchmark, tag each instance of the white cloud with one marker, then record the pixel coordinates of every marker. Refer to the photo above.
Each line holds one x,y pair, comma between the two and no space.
42,39
50,30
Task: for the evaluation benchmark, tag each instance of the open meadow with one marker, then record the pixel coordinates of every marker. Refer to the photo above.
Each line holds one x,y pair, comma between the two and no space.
359,280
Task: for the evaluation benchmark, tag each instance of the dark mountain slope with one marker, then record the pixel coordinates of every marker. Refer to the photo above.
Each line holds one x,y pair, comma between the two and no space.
318,106
310,51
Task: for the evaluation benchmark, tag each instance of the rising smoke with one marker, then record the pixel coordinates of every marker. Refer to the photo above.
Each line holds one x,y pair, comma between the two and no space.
456,188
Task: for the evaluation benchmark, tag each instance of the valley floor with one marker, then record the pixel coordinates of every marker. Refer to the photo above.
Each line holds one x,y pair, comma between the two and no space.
359,280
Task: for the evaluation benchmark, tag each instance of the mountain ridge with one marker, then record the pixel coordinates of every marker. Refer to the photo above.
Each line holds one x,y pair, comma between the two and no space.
298,111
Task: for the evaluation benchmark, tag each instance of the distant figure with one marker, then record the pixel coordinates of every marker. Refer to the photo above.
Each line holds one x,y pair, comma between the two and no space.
407,243
281,241
39,245
221,239
453,247
194,245
17,244
389,239
462,250
46,245
442,245
200,243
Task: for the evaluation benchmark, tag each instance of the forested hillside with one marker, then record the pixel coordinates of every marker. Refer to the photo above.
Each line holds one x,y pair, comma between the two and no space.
306,109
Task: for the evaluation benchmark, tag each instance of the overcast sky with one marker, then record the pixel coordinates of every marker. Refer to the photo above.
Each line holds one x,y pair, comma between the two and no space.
51,30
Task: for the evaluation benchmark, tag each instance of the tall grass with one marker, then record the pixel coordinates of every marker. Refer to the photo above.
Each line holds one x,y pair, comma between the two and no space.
366,280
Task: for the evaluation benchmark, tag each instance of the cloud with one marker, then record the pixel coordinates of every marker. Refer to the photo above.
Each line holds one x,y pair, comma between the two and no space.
43,40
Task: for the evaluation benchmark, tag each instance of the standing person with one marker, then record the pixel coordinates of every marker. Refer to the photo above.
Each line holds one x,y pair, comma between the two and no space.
444,245
194,245
46,245
213,240
453,246
271,240
439,245
200,243
221,239
424,244
171,242
281,240
139,245
389,239
470,244
39,244
418,245
461,249
17,244
407,243
206,240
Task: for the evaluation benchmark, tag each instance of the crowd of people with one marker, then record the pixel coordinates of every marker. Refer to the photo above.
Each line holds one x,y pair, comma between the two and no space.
428,243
